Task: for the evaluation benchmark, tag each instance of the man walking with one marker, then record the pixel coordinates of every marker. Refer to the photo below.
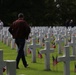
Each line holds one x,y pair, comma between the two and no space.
20,31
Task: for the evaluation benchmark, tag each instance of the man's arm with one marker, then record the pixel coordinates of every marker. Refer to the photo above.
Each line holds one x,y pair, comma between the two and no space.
10,29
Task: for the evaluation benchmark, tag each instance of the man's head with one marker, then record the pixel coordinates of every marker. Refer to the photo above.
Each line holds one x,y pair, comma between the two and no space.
20,15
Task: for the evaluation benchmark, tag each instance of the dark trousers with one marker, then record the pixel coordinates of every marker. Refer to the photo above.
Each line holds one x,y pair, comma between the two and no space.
20,44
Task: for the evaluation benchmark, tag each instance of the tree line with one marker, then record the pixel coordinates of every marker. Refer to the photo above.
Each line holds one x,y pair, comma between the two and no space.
38,12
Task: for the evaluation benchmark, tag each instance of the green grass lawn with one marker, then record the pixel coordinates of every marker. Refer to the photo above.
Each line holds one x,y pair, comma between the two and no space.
35,68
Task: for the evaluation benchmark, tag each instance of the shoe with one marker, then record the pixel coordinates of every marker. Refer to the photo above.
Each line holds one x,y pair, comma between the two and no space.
17,67
26,66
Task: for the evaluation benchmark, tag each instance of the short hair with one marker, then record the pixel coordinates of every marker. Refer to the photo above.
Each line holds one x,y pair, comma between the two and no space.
20,15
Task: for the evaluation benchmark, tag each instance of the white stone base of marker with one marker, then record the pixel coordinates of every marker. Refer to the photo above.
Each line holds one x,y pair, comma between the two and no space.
10,67
12,43
8,42
1,62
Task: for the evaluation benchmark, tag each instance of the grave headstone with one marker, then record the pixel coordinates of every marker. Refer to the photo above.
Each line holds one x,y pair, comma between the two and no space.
10,67
1,62
8,42
41,38
1,35
33,46
25,47
66,37
66,58
73,44
47,52
59,41
12,43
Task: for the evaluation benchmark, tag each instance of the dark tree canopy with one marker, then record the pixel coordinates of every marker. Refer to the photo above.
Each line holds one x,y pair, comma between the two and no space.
38,12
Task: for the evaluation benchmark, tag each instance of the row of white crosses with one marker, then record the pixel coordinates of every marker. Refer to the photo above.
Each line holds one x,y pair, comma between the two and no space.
10,65
42,33
6,38
34,46
4,34
46,52
66,58
63,38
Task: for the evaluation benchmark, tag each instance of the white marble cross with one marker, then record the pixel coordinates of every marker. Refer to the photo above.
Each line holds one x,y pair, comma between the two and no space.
49,37
66,58
41,37
59,42
66,37
47,52
73,44
33,46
